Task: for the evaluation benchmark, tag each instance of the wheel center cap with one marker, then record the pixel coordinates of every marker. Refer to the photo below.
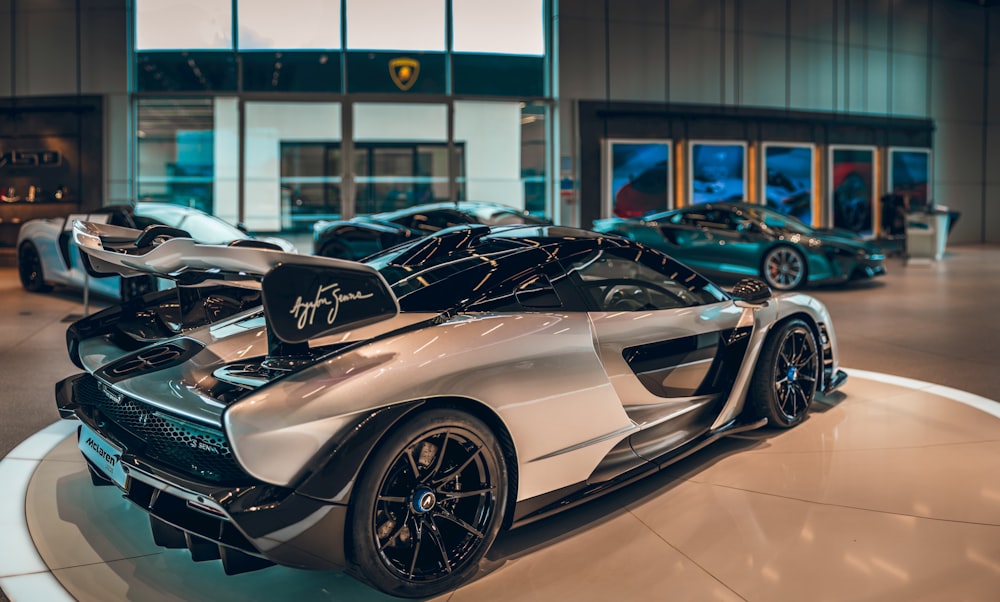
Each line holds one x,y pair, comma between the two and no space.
793,373
424,500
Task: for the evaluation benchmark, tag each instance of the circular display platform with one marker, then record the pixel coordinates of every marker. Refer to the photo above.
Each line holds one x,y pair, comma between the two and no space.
888,491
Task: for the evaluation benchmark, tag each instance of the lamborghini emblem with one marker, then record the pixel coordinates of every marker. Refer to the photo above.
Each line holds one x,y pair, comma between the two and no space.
404,72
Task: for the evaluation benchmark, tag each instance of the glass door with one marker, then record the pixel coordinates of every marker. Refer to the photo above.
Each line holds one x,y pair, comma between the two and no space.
392,176
310,183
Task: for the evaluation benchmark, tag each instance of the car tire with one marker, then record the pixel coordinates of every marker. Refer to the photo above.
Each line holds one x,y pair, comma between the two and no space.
787,375
29,267
136,286
428,505
783,268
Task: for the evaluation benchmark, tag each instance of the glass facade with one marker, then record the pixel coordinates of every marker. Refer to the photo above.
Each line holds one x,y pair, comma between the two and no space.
288,25
310,178
175,151
397,175
276,115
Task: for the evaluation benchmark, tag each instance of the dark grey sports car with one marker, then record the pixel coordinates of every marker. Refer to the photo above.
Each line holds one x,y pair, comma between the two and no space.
752,240
391,417
366,234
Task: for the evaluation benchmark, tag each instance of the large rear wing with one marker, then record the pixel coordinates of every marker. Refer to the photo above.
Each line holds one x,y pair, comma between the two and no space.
304,296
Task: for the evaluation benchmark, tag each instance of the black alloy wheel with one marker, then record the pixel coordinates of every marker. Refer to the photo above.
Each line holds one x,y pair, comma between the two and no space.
429,505
784,268
787,375
29,268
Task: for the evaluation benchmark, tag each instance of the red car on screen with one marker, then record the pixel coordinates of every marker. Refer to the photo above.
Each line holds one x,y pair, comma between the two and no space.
643,193
852,190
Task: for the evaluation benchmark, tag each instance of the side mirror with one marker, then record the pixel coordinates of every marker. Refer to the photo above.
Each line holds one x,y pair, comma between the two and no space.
242,227
750,292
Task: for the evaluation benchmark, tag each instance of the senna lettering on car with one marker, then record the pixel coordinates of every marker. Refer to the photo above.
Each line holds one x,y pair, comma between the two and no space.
302,302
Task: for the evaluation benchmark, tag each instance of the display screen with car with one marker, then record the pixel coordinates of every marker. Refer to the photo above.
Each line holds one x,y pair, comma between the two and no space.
390,417
47,254
366,234
788,179
752,240
717,172
851,188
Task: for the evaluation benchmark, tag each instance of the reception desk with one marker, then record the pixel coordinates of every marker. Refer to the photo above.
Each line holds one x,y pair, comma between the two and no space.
926,235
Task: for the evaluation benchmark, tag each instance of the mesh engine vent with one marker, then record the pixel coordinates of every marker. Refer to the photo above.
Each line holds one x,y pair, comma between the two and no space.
193,449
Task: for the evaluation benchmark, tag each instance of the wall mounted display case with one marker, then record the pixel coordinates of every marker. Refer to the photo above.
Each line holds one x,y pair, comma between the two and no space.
51,159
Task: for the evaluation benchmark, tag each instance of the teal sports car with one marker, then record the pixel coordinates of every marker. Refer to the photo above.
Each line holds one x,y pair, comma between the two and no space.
743,239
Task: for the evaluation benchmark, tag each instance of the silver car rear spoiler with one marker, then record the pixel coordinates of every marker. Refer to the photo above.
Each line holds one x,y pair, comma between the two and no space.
304,296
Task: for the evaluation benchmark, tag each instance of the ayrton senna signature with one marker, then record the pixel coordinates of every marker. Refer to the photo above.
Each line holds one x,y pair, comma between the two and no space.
391,417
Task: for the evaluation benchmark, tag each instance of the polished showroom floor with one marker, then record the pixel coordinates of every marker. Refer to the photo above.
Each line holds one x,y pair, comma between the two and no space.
889,491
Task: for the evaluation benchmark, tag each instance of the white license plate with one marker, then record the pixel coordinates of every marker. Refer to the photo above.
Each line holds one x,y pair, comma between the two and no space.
106,456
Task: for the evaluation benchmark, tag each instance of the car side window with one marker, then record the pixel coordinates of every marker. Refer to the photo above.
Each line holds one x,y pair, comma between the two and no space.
717,220
684,219
433,221
528,292
640,280
701,219
733,221
143,222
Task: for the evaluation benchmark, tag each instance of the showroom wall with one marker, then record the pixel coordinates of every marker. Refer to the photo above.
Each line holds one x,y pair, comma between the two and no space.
930,59
54,48
899,58
991,162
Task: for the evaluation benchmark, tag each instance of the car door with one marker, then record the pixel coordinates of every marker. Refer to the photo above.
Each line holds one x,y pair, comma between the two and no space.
730,243
695,242
670,341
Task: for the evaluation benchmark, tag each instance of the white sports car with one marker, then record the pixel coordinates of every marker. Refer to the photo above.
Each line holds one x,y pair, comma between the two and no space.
47,254
391,417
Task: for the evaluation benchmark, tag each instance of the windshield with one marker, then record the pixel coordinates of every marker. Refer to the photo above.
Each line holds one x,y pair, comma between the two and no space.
773,219
202,227
503,216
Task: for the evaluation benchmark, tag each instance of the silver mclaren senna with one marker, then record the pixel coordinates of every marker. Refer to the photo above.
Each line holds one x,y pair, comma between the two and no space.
389,417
